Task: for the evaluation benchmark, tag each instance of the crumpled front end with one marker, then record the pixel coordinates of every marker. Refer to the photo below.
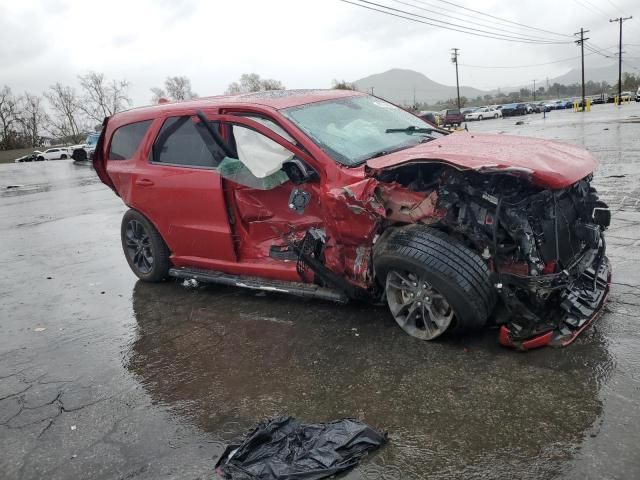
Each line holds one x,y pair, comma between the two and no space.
545,248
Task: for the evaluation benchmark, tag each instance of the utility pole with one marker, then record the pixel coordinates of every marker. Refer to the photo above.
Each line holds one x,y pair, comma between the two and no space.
581,43
454,59
620,20
534,90
371,90
414,97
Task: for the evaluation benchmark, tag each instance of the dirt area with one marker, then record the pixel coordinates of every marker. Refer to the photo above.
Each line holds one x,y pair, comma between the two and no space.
102,376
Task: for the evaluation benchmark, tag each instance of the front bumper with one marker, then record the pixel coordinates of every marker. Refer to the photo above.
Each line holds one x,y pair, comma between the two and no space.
581,304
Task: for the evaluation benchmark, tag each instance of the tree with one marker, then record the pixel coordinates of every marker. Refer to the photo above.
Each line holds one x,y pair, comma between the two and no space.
32,119
102,98
175,88
66,121
9,108
343,85
251,82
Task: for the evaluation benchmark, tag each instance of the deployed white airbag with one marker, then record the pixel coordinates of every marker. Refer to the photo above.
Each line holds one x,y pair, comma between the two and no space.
261,155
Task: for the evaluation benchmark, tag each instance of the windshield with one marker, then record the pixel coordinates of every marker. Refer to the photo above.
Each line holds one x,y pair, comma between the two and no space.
92,139
354,129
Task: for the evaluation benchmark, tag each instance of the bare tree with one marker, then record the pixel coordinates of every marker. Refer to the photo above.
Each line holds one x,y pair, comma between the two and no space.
175,88
9,107
102,98
66,121
251,82
32,119
157,94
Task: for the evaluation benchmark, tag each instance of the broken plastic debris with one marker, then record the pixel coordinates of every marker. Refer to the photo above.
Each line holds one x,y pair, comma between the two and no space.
283,448
190,283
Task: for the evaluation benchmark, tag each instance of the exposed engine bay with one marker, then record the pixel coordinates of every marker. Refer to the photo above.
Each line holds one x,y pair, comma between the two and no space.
545,248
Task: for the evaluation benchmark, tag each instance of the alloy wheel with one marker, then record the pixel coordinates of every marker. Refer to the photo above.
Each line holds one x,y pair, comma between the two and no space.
139,249
419,308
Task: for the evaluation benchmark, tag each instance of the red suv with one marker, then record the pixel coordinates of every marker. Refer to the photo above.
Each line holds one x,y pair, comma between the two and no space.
340,195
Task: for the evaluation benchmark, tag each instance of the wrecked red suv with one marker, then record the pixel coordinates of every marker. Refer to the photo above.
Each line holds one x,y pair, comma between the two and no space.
340,195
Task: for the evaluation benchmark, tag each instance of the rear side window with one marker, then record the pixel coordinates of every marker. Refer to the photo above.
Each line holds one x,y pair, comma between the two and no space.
183,141
126,140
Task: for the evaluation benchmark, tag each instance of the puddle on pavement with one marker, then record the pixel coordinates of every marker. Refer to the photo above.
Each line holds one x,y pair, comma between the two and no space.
224,359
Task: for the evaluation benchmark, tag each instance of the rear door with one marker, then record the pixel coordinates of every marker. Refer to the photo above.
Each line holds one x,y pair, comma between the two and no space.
176,185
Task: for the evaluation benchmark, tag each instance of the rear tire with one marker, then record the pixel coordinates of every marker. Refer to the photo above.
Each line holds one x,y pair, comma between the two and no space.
63,157
437,275
146,252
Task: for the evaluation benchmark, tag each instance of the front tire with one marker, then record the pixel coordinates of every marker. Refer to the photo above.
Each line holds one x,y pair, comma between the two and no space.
480,117
63,157
145,250
433,283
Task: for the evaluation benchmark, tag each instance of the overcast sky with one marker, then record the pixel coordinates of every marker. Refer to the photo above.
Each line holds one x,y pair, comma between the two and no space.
303,43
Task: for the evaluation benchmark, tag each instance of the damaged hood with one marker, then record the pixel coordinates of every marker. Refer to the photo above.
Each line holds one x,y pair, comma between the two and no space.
547,163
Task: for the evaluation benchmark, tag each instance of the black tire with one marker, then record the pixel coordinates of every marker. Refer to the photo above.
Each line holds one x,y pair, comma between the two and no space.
40,159
453,270
145,250
79,155
63,157
480,117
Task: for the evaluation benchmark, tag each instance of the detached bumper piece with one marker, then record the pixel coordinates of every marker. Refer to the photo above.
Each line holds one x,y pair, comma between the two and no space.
580,304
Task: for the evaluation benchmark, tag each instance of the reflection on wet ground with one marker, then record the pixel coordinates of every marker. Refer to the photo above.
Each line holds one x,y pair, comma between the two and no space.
226,357
102,376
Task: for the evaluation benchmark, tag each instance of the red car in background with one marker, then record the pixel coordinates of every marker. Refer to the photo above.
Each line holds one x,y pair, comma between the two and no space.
343,196
453,117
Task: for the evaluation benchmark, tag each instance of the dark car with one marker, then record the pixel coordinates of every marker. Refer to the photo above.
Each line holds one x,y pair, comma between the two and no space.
453,117
514,109
339,195
32,157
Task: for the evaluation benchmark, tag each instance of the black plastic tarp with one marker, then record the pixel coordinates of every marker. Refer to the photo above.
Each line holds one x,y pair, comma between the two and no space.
284,449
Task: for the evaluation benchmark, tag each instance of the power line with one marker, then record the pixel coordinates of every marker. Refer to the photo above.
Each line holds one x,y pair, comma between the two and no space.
501,19
493,27
446,26
526,66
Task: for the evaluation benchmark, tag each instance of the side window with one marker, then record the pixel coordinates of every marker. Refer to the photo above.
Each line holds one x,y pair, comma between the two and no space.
259,160
126,140
185,141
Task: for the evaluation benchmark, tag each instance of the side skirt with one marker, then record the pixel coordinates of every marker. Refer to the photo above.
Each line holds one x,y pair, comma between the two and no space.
299,289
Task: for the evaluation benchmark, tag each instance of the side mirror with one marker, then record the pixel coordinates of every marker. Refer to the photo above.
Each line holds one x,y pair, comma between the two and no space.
299,172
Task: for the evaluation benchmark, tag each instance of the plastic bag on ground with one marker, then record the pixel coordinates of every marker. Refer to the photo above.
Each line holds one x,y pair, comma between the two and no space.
284,449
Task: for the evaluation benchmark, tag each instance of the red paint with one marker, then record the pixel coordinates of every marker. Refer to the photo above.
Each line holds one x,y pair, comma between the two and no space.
549,164
209,222
538,341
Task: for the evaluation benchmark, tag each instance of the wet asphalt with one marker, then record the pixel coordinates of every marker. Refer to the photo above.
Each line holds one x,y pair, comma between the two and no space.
102,376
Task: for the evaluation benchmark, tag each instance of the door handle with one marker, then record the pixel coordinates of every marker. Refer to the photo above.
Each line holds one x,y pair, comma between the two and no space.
144,182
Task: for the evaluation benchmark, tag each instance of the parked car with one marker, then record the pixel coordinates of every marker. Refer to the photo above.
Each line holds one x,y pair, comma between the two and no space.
638,95
482,114
31,157
467,110
85,151
56,153
528,108
597,99
340,195
431,117
513,109
453,117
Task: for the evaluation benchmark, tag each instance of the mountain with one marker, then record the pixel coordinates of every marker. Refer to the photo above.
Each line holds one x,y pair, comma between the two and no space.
398,85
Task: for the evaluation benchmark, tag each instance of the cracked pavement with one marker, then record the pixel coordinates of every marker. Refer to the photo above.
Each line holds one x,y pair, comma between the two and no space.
105,377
